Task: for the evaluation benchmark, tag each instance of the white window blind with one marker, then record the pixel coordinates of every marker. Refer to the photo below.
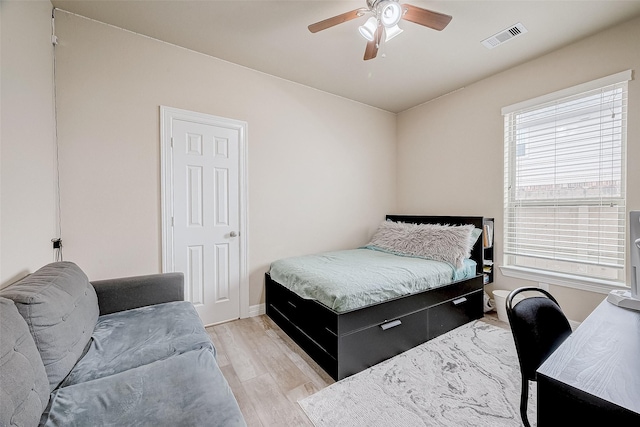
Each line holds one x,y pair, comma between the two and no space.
565,181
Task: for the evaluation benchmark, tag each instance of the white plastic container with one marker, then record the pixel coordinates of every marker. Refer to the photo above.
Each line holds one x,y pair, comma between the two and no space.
500,297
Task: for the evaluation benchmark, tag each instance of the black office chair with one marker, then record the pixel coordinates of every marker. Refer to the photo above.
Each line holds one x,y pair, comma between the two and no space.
539,326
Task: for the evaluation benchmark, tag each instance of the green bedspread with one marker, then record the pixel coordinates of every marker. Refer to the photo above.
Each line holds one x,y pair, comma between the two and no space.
350,279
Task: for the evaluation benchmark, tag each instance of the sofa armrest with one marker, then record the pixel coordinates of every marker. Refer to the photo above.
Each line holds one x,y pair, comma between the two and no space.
132,292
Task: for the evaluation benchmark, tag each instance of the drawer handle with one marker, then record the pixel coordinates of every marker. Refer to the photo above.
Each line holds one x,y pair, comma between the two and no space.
292,304
390,325
459,301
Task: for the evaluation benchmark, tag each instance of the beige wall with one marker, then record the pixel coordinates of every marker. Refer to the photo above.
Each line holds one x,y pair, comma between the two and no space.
321,168
450,151
27,173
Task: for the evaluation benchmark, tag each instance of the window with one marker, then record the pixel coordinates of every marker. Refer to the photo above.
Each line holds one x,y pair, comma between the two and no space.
565,211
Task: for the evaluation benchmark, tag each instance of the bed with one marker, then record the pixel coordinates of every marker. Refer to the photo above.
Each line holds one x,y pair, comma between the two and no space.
346,335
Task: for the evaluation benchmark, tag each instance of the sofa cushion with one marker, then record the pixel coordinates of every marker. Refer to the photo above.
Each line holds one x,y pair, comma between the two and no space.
24,391
60,308
185,390
131,338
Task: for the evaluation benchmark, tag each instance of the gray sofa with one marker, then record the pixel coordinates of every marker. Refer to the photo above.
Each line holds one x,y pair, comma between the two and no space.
121,352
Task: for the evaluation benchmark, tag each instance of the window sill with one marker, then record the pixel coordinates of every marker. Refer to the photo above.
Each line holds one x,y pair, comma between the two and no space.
583,283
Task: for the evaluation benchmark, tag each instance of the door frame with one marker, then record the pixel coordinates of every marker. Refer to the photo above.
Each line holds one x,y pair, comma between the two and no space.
167,115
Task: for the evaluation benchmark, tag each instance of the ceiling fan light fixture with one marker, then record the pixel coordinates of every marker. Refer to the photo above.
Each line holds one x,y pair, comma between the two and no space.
392,32
368,30
390,13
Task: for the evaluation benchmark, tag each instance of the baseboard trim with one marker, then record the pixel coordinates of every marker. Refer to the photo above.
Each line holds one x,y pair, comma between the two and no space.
257,310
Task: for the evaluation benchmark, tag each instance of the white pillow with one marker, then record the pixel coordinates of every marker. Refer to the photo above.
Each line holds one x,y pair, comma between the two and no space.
438,242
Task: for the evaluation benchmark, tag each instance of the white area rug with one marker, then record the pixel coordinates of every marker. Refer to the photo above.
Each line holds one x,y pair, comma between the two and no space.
467,377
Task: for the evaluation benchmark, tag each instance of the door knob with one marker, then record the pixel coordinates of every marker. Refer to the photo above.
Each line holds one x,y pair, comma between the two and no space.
233,234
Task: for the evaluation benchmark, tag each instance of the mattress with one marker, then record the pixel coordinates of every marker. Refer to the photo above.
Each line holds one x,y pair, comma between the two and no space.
350,279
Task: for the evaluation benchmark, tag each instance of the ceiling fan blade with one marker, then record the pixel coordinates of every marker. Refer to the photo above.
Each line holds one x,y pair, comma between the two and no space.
371,51
425,17
339,19
372,47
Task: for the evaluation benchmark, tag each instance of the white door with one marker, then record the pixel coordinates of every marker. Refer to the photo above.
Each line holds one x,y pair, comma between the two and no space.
206,213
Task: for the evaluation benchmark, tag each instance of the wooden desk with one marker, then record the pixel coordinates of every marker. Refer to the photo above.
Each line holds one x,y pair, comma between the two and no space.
594,376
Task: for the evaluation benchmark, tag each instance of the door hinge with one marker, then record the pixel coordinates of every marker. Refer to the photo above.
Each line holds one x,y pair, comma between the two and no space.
172,221
171,142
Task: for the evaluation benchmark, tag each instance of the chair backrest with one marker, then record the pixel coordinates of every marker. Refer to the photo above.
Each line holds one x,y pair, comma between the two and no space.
538,325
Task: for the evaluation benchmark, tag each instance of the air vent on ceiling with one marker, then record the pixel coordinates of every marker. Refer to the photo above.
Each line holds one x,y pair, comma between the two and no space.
504,36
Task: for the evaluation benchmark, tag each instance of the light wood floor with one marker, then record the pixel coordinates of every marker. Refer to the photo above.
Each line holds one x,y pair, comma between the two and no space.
268,372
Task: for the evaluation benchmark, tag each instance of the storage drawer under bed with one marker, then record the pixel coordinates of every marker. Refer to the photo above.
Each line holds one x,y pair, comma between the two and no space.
364,348
455,312
367,347
375,314
318,322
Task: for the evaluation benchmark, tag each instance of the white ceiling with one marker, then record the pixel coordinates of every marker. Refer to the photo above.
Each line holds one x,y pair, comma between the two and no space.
415,67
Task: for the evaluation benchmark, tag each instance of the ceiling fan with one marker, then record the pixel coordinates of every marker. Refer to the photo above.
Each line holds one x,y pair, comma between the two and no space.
386,15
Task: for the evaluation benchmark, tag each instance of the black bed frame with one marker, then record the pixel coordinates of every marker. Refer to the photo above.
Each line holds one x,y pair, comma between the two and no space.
348,342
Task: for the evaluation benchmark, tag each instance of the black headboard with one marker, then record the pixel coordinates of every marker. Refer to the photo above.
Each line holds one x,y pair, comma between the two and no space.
477,253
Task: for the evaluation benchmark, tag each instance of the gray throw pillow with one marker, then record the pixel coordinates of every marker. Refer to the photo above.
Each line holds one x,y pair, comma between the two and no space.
61,309
447,243
24,386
